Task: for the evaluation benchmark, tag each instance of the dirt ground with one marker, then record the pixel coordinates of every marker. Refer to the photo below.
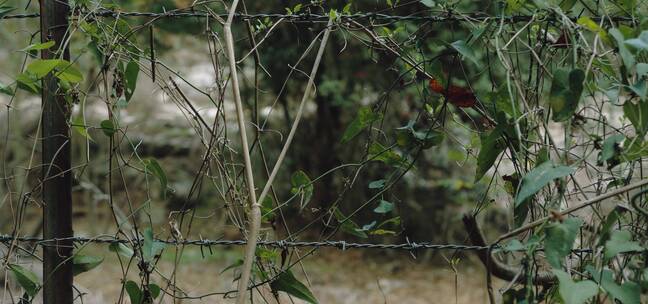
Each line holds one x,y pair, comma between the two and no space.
334,278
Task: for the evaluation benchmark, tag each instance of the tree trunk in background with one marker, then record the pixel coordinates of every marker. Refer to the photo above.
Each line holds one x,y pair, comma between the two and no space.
326,138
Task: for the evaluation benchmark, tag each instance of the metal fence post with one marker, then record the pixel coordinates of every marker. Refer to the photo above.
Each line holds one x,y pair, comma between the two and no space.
56,174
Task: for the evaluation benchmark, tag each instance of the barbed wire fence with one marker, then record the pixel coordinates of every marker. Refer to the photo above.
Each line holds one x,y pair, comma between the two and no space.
347,21
301,17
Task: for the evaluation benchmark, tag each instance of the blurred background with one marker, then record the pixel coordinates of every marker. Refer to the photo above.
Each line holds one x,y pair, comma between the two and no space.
119,142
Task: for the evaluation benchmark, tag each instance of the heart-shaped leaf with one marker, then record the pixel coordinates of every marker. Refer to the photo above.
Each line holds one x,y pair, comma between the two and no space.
560,240
539,177
134,292
151,247
620,241
491,147
574,292
626,293
121,249
153,167
302,184
363,119
384,207
83,263
465,50
565,94
130,79
287,283
26,278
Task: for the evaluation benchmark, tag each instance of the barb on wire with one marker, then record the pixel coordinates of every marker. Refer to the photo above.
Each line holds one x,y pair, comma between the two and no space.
308,17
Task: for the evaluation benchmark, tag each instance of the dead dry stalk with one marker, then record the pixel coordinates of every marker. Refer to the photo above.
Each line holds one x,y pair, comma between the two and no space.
254,208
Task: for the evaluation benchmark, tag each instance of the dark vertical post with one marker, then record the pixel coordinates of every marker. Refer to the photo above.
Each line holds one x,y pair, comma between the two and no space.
57,178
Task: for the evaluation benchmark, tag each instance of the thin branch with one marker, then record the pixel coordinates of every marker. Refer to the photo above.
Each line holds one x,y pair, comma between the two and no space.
293,129
586,203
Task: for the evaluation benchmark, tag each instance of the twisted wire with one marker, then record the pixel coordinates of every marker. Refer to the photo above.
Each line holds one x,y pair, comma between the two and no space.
308,17
342,245
277,244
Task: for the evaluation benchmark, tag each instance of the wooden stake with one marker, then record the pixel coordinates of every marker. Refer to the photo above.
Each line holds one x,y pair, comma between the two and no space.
56,174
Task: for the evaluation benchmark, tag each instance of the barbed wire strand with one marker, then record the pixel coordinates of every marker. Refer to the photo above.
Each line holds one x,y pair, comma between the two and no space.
342,245
447,17
278,244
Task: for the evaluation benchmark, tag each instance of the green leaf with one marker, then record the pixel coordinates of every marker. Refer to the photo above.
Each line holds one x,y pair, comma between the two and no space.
639,43
574,292
151,247
333,15
513,6
382,232
428,3
287,283
302,184
513,296
491,147
607,224
626,56
539,177
5,89
155,290
566,5
39,46
134,292
363,119
408,137
5,10
130,79
378,152
108,127
29,83
428,138
267,207
237,263
377,184
611,150
384,207
560,240
153,167
642,69
79,126
520,213
565,94
42,67
465,50
394,221
633,149
640,89
83,263
543,155
589,24
266,255
67,72
514,245
620,241
626,293
121,249
347,8
26,278
349,226
637,113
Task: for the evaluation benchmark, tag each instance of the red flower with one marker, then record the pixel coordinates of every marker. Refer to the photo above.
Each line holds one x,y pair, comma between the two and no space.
458,96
